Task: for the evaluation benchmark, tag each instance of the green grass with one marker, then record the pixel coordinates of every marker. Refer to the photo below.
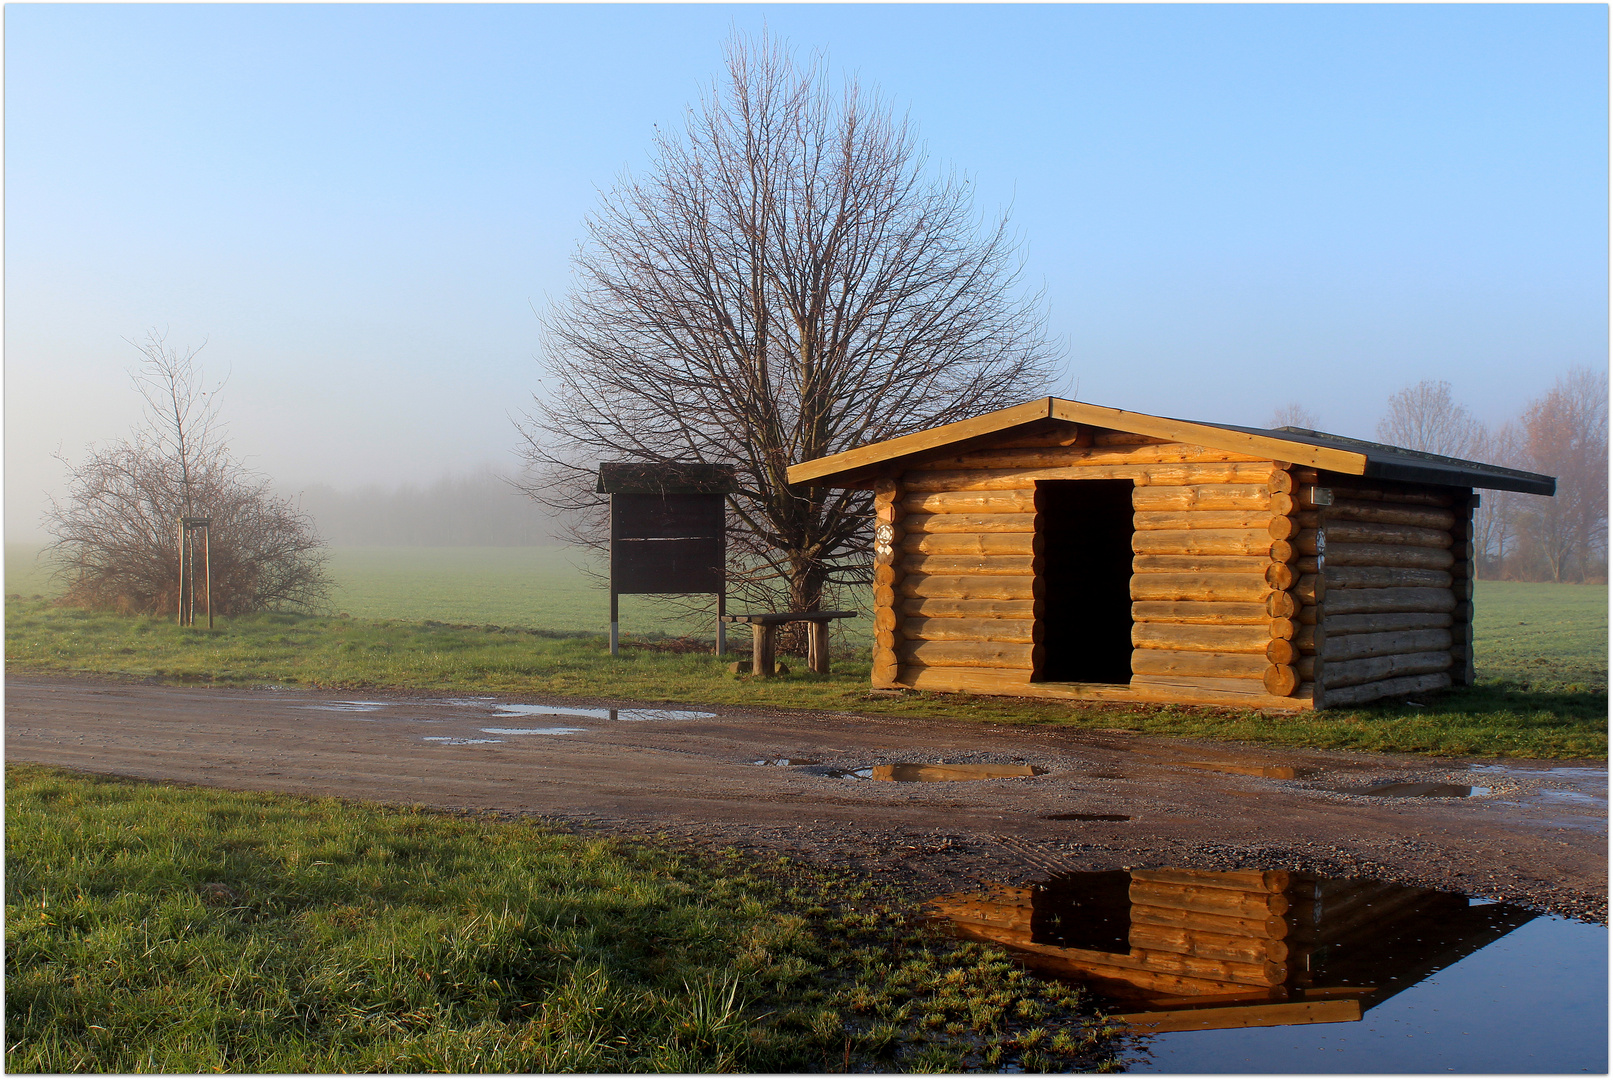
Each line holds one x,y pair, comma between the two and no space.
157,928
1541,635
1542,663
505,586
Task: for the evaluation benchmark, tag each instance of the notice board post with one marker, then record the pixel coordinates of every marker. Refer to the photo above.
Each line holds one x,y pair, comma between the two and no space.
667,532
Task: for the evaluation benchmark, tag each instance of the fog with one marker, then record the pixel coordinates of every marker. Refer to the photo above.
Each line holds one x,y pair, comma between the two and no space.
477,509
363,209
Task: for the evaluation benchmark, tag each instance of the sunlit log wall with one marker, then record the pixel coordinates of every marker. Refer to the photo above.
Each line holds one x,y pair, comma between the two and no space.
1244,589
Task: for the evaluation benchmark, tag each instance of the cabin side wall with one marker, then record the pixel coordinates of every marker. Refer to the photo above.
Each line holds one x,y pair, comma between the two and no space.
1394,614
959,596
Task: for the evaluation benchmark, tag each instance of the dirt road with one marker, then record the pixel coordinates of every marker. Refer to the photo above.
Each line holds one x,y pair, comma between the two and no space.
1533,832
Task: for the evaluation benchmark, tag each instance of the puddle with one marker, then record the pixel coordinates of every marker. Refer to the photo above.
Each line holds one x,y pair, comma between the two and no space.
346,706
1571,798
1274,772
785,761
500,708
909,772
1417,791
451,740
1086,817
532,730
1218,971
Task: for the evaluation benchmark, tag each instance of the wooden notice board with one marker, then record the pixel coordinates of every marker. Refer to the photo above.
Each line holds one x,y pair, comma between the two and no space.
667,531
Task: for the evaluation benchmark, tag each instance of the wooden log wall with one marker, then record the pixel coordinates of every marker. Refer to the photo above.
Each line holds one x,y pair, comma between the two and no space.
1389,610
966,588
887,577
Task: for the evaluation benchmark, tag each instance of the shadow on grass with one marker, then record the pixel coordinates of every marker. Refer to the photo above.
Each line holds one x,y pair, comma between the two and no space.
1526,702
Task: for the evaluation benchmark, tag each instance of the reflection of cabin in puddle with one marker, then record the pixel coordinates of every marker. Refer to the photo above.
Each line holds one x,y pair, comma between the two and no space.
1188,950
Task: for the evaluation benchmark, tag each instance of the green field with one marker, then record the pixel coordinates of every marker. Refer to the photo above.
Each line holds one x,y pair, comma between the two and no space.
164,928
1542,660
1537,634
543,587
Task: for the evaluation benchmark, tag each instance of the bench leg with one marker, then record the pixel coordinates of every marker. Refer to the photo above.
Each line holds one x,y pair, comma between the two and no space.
818,646
761,663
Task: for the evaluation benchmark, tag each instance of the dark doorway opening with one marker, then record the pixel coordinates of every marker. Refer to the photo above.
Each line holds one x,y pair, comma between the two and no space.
1086,575
1084,910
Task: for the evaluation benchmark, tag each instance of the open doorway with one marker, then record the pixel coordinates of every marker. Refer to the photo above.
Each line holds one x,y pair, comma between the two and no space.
1086,572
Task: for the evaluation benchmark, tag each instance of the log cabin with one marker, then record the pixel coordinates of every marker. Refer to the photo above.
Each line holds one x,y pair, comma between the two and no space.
1063,549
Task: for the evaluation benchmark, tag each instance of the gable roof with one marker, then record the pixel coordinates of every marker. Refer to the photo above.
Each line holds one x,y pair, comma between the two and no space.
1318,449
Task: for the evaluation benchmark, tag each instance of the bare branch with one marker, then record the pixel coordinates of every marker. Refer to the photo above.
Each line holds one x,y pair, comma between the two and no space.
788,281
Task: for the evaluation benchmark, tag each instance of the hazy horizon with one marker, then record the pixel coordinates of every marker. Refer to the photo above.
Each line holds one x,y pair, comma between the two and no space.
360,207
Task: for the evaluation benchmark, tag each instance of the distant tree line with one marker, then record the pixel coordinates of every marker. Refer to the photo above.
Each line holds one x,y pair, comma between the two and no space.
1563,433
477,509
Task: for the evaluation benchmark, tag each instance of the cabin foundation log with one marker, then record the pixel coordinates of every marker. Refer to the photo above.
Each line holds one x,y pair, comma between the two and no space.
1412,684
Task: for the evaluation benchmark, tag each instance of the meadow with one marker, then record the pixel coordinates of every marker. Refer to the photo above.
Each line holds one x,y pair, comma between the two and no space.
424,619
163,928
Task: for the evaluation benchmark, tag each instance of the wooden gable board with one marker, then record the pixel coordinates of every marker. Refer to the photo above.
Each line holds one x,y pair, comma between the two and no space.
862,465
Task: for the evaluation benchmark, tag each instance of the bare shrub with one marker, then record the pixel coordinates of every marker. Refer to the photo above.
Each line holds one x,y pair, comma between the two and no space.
1425,417
788,281
114,536
1293,415
1564,434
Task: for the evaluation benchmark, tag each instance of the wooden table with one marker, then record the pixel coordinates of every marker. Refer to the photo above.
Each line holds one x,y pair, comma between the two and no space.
764,624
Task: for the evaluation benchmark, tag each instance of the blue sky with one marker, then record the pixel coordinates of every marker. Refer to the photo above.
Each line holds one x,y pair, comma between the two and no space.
359,207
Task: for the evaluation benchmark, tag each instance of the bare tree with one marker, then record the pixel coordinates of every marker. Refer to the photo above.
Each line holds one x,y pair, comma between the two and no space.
1425,417
1293,415
1564,434
1496,522
114,536
788,281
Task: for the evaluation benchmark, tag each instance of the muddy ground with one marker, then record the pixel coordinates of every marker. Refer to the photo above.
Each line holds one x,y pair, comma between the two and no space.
1537,837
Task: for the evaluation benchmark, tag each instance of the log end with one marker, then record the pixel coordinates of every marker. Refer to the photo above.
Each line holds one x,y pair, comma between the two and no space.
1281,680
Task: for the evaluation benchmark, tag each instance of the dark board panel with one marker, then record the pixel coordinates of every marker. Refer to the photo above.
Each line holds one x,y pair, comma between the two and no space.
693,565
640,517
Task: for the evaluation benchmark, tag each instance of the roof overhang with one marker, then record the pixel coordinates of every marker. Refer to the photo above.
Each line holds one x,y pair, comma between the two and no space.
861,466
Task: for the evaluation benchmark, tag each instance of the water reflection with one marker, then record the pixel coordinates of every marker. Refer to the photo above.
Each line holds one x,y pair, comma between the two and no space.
1417,791
1194,950
500,708
911,773
1272,772
1086,817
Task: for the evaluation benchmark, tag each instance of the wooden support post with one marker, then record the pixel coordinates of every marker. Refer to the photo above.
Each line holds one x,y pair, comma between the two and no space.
207,570
1463,571
189,528
761,664
722,624
818,646
181,612
888,535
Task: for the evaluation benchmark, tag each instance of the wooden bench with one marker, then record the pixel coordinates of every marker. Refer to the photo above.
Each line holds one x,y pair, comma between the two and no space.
763,625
